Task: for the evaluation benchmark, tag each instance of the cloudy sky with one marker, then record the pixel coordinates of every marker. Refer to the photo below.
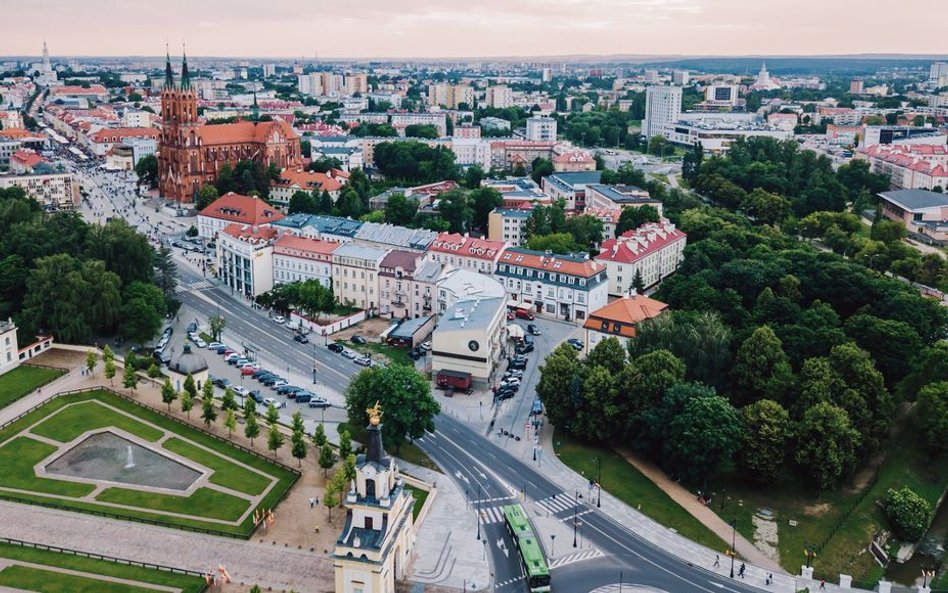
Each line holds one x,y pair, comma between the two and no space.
460,28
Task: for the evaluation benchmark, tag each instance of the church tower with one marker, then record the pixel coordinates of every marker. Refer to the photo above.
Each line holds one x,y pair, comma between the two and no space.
178,167
374,547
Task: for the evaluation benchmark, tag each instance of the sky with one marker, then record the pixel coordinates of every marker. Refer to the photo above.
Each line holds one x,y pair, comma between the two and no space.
473,28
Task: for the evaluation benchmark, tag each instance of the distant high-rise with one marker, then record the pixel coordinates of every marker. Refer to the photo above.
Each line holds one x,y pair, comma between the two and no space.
662,107
856,86
357,83
499,96
651,76
938,74
547,74
680,77
541,128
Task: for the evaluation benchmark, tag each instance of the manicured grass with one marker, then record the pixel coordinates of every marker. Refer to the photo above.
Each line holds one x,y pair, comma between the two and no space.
23,380
206,503
17,459
48,581
823,516
203,503
75,420
420,497
226,474
622,480
101,567
394,355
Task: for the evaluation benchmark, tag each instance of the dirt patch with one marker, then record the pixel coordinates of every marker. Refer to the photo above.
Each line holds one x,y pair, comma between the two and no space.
368,329
766,538
816,510
64,359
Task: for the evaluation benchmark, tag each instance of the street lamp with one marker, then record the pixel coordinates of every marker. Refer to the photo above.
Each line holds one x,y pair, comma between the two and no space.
575,509
477,513
552,542
733,544
599,482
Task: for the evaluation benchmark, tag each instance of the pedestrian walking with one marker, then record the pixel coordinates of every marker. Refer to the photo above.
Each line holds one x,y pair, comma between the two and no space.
823,585
312,502
769,580
717,561
741,571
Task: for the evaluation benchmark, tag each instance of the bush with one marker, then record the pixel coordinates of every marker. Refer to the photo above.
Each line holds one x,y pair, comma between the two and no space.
908,513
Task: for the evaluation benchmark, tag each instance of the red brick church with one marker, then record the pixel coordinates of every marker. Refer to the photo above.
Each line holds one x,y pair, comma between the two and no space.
191,153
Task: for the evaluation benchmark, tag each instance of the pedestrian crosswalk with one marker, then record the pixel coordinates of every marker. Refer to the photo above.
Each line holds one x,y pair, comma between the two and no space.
194,286
577,557
556,504
489,515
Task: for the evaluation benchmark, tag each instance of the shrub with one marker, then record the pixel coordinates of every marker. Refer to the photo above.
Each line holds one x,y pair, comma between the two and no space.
908,513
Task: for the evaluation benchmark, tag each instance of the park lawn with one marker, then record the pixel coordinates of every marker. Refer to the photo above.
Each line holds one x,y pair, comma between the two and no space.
188,584
625,482
23,380
204,502
28,578
77,419
825,518
17,459
226,473
420,497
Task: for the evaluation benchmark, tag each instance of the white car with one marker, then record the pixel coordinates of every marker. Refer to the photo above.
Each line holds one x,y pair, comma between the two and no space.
426,345
279,383
349,354
363,360
241,390
279,319
276,403
200,343
215,345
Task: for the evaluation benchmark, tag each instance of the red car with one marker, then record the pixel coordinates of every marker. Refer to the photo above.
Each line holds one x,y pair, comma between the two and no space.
510,316
524,314
248,370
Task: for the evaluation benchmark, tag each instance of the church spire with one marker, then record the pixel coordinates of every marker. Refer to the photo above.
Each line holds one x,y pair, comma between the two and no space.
169,73
255,110
185,78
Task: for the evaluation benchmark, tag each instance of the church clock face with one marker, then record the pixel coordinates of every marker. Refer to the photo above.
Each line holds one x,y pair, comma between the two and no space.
473,345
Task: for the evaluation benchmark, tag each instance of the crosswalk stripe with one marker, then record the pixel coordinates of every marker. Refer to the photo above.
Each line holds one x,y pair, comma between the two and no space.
577,557
490,515
556,504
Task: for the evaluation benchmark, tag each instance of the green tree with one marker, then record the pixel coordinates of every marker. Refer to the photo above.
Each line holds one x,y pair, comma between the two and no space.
761,368
206,196
657,145
251,427
325,203
91,359
168,393
560,385
701,340
110,370
638,284
455,207
298,446
349,203
403,393
319,436
130,378
400,210
297,422
765,435
143,312
332,495
274,439
153,371
598,410
147,171
304,203
908,514
207,390
230,422
107,353
541,168
272,415
561,243
217,324
632,218
766,207
421,131
229,400
482,201
190,387
644,382
931,416
826,444
208,413
187,403
609,354
349,468
345,444
473,176
326,458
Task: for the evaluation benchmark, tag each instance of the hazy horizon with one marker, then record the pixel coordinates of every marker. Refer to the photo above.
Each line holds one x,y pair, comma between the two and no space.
408,29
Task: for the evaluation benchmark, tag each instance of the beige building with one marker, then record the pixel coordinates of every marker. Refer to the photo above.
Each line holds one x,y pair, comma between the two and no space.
9,356
357,83
469,338
407,284
245,258
499,96
355,275
375,545
653,251
56,190
508,226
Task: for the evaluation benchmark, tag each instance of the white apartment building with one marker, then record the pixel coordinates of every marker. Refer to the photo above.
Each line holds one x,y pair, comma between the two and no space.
469,338
9,354
245,258
662,107
499,96
541,128
355,271
938,74
56,190
298,259
472,151
558,286
357,83
310,84
134,118
680,77
400,121
466,253
653,250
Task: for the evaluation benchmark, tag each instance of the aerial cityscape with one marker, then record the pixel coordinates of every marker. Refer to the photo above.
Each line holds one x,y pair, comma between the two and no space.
642,296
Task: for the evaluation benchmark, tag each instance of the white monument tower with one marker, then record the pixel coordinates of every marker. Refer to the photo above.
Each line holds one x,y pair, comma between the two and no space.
47,76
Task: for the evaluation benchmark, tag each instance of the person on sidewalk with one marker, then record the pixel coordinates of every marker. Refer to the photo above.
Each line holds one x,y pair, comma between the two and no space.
717,561
740,573
823,585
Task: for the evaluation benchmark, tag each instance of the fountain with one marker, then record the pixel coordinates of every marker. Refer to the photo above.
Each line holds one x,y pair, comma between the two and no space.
130,459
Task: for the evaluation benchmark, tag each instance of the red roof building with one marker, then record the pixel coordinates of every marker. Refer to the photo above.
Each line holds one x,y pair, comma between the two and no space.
298,259
292,181
466,253
652,251
620,319
235,208
23,161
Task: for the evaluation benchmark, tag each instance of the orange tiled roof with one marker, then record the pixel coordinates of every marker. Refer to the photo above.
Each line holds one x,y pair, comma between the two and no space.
15,133
94,89
242,209
307,181
626,312
250,233
119,134
457,244
303,246
537,260
27,158
243,132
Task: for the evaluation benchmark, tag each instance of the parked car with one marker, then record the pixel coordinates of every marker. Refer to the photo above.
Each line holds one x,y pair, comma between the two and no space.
319,402
192,327
276,403
349,354
168,331
247,370
363,360
220,350
279,319
302,396
416,353
301,339
504,394
524,314
537,408
227,351
357,339
517,363
221,382
279,383
257,396
575,343
232,358
260,373
426,346
511,381
335,347
510,316
513,373
200,343
287,390
532,329
524,348
241,390
215,346
269,381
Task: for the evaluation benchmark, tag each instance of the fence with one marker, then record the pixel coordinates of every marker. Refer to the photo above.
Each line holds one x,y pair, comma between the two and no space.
845,516
297,473
126,562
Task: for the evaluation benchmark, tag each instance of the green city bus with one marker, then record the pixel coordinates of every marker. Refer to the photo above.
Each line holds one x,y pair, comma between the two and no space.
528,548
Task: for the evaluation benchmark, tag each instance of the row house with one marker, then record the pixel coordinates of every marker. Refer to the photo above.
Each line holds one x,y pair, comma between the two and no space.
654,250
355,270
298,259
561,287
570,187
235,208
292,181
407,284
466,253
